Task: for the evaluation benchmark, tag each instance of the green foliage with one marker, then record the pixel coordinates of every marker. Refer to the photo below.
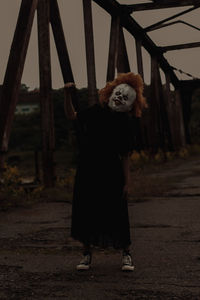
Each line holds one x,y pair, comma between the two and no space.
25,134
12,192
26,130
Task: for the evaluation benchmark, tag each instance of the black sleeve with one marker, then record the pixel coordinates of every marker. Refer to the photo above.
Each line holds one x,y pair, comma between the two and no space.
127,138
86,114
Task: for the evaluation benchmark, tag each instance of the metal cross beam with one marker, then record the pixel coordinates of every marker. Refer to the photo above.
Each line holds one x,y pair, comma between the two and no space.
156,25
14,70
160,5
115,9
176,22
180,46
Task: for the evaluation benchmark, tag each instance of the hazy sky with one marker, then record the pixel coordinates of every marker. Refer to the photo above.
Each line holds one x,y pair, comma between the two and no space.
72,18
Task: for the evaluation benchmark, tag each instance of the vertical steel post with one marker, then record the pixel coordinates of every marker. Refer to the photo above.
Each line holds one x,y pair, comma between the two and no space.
122,55
154,108
90,57
142,123
175,116
14,70
47,122
181,128
61,47
138,45
169,103
60,42
113,48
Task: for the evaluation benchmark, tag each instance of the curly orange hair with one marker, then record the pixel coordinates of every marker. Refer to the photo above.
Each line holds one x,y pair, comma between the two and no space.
134,81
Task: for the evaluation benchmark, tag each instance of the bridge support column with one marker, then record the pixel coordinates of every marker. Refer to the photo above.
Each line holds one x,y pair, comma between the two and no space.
113,48
175,116
138,44
47,122
122,55
14,70
90,57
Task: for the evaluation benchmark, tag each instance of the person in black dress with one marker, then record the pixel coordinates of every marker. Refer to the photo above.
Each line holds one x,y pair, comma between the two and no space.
99,207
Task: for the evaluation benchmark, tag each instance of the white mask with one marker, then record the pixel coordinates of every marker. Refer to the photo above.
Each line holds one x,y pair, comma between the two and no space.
122,98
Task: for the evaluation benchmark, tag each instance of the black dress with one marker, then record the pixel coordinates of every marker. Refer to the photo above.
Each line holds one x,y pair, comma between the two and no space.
99,210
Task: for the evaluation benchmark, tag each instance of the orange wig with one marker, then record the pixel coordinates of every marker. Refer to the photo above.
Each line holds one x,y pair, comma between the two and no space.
135,81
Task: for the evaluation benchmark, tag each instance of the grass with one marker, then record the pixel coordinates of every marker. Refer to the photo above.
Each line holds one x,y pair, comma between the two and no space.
25,161
145,179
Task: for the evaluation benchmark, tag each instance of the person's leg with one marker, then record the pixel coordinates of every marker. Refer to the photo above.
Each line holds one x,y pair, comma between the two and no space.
127,263
126,250
87,258
87,249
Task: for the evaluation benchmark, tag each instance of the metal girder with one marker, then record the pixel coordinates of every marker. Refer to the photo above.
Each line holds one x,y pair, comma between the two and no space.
113,48
180,46
114,8
155,26
176,22
90,55
14,70
46,104
159,5
60,42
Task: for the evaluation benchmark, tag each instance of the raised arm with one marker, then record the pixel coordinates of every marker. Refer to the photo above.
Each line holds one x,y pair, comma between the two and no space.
68,105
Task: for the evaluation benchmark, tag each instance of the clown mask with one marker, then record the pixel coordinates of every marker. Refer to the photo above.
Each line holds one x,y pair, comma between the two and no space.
122,98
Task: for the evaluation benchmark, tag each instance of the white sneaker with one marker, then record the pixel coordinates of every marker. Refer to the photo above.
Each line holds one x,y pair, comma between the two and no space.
84,263
127,264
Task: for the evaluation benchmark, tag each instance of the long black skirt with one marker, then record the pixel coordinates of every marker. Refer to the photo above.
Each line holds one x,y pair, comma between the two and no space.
99,209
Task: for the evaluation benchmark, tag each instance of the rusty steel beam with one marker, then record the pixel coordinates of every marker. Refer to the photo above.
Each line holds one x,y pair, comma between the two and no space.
63,56
90,56
156,126
123,65
60,42
180,46
154,26
164,4
14,70
115,9
47,122
138,45
113,48
175,115
176,22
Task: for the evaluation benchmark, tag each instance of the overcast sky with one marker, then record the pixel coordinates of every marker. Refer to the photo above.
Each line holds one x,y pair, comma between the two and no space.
72,18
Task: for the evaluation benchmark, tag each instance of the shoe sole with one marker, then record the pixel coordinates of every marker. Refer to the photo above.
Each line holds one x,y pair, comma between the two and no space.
82,267
128,268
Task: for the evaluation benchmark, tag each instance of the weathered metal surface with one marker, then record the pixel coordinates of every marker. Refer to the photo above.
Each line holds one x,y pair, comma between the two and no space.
176,22
161,4
113,48
123,65
14,70
114,8
175,115
61,47
47,122
180,46
139,57
155,124
90,57
60,42
157,24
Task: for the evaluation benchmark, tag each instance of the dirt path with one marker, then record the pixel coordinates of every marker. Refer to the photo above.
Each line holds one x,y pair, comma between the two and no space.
37,259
